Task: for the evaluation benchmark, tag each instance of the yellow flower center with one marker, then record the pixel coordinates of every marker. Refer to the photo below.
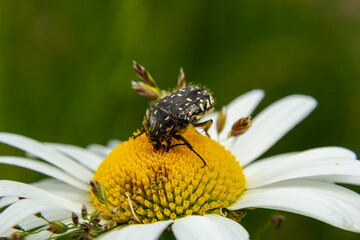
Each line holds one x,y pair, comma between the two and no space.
145,185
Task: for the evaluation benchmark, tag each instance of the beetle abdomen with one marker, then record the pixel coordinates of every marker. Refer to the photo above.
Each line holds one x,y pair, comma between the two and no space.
192,104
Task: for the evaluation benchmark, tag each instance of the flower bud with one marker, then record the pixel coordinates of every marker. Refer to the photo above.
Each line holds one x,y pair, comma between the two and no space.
95,218
75,218
147,87
109,225
98,191
57,227
83,212
240,126
88,228
143,75
96,221
181,80
145,90
16,236
221,120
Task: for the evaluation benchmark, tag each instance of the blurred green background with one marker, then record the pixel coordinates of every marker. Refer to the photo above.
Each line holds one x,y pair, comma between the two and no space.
66,66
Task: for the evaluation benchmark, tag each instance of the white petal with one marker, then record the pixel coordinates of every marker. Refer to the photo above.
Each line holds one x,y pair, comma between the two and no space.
20,210
4,201
326,202
208,227
17,189
46,153
44,168
139,231
306,169
240,107
261,164
63,190
346,179
47,234
86,158
32,222
315,153
312,163
56,187
269,126
99,150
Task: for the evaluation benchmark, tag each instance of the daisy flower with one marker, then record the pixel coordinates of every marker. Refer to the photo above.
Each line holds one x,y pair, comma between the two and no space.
144,192
129,190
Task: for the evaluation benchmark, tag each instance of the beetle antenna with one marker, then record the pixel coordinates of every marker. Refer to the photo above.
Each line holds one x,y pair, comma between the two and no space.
179,137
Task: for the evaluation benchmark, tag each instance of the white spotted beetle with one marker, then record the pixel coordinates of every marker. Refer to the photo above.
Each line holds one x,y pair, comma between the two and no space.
167,117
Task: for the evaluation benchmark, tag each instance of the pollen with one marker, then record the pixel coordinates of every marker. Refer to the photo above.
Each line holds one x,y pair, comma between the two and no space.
144,185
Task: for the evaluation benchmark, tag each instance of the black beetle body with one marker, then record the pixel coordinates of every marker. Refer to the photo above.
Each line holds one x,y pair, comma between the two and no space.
168,116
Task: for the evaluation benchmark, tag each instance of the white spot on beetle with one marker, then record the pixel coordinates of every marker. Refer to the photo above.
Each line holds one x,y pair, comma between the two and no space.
188,99
207,104
167,118
201,107
179,95
201,100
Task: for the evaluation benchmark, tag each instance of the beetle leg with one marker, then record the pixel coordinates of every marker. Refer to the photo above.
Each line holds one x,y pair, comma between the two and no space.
179,137
204,125
168,146
137,135
158,145
178,144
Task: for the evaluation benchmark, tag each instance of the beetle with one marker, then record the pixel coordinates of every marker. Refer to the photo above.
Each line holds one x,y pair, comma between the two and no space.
169,116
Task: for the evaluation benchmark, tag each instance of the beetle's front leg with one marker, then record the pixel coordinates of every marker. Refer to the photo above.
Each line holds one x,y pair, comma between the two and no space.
168,146
179,137
178,144
204,125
